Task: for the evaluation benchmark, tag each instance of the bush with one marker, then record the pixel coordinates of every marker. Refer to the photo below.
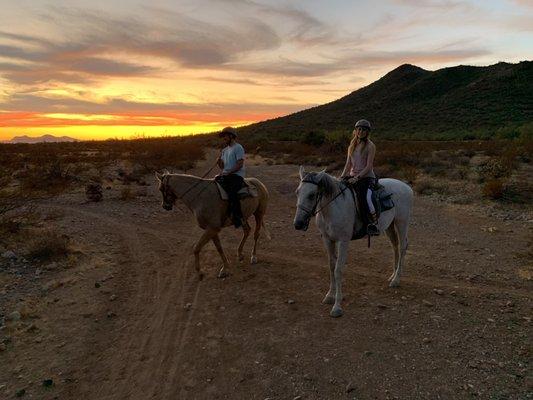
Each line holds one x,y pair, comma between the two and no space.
494,189
495,168
314,138
48,246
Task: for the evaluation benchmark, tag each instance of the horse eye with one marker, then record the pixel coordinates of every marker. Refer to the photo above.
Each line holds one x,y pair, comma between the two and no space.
311,196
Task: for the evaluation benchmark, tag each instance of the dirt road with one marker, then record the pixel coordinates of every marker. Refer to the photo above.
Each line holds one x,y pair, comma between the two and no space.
132,322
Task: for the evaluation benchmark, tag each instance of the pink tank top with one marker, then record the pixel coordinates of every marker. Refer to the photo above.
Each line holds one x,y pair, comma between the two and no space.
358,161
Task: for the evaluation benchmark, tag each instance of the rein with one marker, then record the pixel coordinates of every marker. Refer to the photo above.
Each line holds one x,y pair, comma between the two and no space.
166,188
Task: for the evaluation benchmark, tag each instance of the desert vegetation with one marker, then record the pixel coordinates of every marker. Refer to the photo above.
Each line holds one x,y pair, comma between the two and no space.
80,233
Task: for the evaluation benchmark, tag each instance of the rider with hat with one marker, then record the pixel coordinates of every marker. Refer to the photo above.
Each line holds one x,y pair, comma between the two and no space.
231,162
359,172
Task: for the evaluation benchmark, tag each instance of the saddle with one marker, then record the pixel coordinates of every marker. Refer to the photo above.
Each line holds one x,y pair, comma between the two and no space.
246,191
382,200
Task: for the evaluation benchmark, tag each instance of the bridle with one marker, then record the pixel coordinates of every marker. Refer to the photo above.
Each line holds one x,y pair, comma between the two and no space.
313,211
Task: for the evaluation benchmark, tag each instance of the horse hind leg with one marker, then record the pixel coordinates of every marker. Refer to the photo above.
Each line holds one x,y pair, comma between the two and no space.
402,249
246,232
257,231
393,237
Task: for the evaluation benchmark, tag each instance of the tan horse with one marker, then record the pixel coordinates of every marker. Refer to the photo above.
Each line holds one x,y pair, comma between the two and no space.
201,196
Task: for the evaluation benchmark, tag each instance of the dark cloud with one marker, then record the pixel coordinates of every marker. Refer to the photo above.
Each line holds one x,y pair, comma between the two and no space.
351,62
100,66
442,4
40,104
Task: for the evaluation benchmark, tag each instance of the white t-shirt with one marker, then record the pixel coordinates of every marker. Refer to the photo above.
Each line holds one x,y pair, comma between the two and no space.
230,155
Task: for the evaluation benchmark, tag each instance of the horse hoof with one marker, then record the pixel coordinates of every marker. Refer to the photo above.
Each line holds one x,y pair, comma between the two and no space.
222,274
336,312
241,258
328,300
394,283
200,276
253,260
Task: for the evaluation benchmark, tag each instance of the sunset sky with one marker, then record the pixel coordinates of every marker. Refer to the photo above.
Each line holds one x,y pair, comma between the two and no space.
117,68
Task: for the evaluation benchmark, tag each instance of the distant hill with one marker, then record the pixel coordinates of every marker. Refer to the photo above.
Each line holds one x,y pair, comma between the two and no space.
410,102
41,139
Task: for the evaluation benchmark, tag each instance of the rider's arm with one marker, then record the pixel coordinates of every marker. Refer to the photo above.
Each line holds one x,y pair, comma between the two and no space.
347,167
369,160
220,162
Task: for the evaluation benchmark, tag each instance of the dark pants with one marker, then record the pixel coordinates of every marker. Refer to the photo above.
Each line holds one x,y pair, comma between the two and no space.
232,183
361,187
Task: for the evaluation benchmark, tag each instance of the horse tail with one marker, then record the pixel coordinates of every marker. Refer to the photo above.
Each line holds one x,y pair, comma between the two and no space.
263,202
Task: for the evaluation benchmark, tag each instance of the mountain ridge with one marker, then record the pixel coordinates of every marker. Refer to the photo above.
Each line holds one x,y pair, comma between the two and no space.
411,102
47,138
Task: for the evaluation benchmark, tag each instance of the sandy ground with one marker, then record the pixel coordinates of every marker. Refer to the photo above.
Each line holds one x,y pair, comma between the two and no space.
131,321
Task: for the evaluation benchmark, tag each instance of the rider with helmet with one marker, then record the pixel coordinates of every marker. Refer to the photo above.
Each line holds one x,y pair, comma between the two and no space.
358,171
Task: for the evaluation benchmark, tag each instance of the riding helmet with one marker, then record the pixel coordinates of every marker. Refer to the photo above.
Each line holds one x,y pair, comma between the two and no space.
363,123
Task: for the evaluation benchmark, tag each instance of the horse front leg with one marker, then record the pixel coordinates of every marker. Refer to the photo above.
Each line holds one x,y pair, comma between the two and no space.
402,227
246,232
207,235
332,258
342,253
223,273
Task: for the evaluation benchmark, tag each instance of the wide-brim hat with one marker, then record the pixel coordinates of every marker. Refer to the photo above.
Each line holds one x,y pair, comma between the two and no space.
228,130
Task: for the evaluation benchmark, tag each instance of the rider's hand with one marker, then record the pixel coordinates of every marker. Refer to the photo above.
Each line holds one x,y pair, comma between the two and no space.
352,180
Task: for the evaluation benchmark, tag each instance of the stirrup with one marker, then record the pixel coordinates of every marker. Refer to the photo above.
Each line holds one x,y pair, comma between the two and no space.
372,230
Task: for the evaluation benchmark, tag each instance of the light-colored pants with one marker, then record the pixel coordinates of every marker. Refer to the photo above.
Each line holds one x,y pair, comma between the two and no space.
369,201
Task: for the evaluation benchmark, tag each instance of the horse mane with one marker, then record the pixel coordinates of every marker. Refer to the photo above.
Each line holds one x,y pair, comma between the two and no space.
327,183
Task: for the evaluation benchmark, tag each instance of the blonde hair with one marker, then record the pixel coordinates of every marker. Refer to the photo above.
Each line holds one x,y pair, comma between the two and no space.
355,141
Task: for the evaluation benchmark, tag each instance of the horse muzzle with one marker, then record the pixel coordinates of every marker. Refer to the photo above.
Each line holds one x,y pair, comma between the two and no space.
300,225
167,207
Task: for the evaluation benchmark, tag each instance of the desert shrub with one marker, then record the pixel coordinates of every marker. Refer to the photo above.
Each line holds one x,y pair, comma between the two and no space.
314,138
50,177
494,189
494,168
430,186
338,140
49,245
409,173
457,174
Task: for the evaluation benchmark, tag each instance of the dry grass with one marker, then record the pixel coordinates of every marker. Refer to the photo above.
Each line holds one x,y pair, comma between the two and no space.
127,193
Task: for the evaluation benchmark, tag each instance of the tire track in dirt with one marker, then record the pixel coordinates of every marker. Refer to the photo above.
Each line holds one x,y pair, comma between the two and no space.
154,351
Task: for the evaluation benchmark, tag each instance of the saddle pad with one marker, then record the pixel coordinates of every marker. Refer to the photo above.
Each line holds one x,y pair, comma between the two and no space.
246,191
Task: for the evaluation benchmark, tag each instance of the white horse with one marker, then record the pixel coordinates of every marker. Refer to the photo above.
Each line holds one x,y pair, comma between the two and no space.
336,217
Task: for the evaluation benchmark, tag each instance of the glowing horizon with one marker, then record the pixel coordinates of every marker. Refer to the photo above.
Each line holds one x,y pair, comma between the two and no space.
98,70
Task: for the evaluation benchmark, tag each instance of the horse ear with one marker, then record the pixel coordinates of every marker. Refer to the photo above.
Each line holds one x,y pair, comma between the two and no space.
302,172
320,175
158,176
